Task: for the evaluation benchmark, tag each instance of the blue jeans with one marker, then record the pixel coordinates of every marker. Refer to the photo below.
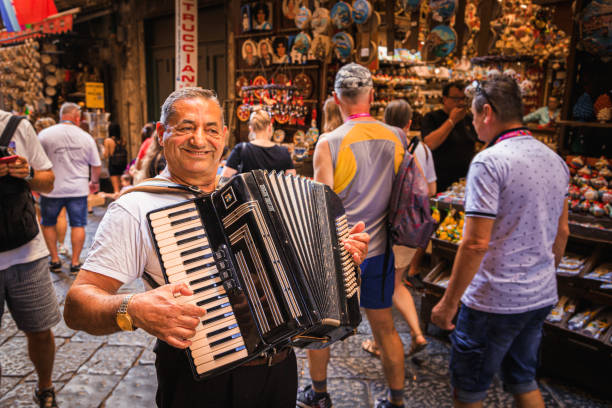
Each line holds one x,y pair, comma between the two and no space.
485,343
76,207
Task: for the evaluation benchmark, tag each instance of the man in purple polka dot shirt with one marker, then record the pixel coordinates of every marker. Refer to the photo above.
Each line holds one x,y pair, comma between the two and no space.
504,270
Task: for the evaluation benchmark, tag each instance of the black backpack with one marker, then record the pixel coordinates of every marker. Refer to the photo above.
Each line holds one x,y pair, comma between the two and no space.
119,157
18,224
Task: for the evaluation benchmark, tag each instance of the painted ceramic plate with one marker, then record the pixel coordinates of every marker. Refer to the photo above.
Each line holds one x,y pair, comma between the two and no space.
362,9
302,18
442,9
411,5
278,136
343,45
321,21
440,42
341,15
243,112
240,82
303,83
298,137
301,43
280,79
290,8
259,81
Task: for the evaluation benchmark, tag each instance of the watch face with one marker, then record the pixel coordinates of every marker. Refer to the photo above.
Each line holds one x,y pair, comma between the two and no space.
124,322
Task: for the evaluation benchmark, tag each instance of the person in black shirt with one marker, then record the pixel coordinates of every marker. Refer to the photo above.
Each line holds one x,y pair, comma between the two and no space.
260,153
449,133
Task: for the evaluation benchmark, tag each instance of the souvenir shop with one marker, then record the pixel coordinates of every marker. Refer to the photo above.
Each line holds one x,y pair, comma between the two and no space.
286,56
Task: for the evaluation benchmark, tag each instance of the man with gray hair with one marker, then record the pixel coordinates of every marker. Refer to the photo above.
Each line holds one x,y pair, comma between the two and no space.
192,134
514,237
359,161
73,152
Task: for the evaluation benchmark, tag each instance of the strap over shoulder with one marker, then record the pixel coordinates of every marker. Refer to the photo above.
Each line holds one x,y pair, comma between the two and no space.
161,186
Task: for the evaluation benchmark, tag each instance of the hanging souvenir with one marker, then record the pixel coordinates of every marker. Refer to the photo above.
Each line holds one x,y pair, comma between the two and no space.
343,45
259,81
278,136
440,43
264,47
301,44
362,9
261,16
321,21
281,117
243,112
312,135
281,50
245,11
302,18
411,5
442,10
365,54
321,48
280,79
290,8
298,136
341,15
240,82
303,83
249,53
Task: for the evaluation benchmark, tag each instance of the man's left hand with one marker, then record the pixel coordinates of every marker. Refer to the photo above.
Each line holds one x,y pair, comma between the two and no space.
19,168
357,242
442,315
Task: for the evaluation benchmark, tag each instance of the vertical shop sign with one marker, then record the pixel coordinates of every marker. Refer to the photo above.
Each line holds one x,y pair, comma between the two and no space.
94,95
186,43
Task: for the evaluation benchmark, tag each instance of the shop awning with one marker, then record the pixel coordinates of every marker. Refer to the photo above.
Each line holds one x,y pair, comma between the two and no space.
54,24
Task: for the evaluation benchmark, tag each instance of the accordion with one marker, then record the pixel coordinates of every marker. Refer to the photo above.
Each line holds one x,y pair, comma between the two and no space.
263,256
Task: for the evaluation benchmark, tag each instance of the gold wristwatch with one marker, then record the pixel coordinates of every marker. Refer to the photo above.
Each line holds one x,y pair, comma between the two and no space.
124,320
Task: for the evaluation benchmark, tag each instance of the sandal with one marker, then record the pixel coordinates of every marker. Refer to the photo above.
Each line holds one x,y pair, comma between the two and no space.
371,348
416,347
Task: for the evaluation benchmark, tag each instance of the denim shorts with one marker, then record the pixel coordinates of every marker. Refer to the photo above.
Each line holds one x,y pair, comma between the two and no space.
76,207
372,295
486,343
30,296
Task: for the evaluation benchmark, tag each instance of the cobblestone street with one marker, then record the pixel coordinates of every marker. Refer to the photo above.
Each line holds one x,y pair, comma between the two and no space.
118,370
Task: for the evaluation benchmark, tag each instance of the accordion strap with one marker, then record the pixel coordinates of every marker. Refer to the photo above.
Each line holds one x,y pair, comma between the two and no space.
161,186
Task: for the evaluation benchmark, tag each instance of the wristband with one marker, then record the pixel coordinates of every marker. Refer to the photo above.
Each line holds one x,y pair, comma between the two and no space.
452,122
30,175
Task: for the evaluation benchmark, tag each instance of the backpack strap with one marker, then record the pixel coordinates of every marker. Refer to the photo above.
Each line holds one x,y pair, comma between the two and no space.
161,186
414,142
9,129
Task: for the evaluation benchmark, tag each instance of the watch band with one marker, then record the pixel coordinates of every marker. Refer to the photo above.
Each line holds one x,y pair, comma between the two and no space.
124,304
30,176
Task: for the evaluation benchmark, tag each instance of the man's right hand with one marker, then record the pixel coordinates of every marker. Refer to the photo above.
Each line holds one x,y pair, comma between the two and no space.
160,313
457,115
3,169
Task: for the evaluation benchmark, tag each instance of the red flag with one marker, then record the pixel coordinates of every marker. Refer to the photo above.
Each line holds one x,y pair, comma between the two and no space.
33,11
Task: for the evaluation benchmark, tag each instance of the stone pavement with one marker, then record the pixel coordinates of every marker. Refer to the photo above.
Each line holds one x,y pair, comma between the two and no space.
118,370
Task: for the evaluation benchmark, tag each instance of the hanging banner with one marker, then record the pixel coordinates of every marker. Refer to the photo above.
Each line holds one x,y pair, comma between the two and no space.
56,24
186,43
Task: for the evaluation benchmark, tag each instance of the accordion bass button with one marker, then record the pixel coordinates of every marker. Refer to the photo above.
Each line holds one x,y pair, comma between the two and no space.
229,285
219,255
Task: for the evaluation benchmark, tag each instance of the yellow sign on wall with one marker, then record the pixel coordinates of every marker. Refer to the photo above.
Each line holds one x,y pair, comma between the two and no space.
94,95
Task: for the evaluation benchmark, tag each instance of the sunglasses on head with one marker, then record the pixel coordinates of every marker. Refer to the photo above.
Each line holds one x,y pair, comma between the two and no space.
479,89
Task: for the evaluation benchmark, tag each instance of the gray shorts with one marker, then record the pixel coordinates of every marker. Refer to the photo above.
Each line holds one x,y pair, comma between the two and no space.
30,296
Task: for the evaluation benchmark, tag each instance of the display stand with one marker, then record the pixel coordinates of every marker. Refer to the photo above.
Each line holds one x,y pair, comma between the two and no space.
567,354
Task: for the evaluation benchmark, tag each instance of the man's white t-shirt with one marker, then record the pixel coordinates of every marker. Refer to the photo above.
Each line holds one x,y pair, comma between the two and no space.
26,144
72,151
423,155
123,248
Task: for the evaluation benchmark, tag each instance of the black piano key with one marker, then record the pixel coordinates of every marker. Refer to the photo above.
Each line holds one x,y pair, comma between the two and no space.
190,239
184,220
227,328
205,288
221,306
195,250
225,339
199,268
228,352
204,279
210,299
188,230
185,211
214,319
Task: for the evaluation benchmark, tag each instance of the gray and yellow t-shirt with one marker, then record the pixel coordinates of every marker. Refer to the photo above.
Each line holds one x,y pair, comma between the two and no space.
366,155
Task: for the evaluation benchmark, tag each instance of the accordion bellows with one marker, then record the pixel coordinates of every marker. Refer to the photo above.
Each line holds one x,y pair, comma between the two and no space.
263,255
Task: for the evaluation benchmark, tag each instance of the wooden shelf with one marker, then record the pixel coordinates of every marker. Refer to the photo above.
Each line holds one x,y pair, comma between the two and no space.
575,123
279,67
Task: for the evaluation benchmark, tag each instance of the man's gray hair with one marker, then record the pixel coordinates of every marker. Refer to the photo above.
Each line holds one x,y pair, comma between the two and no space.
167,109
503,92
68,108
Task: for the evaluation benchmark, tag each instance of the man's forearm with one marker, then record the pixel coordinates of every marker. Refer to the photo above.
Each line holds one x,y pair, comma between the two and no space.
438,136
92,310
467,262
42,181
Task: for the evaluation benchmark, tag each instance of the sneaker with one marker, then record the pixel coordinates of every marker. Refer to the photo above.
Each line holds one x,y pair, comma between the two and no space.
62,250
384,403
74,269
414,282
306,399
45,398
55,267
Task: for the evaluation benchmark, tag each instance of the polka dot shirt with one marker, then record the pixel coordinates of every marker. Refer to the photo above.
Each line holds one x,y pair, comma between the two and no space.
521,184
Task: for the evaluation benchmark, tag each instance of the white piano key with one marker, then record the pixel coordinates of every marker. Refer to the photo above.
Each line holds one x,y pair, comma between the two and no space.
205,367
163,243
202,330
167,231
200,296
208,262
206,340
164,214
186,277
205,354
198,245
182,259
